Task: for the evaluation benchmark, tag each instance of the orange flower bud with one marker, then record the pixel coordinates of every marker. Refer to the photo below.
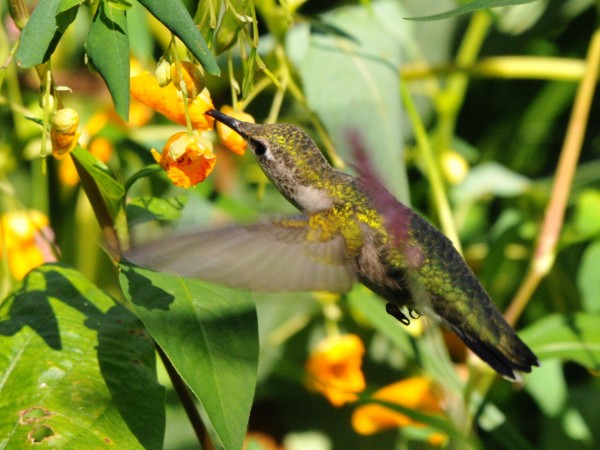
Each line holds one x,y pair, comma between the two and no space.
63,133
188,160
229,137
334,368
168,101
192,77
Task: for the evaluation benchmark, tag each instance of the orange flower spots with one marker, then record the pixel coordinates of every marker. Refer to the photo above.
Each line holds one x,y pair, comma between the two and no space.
416,393
22,238
230,138
334,368
188,160
63,133
169,101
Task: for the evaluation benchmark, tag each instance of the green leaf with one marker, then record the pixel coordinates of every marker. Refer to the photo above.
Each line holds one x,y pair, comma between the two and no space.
107,46
177,19
574,337
475,5
352,84
76,369
111,191
68,4
210,334
587,213
588,281
547,386
43,31
145,209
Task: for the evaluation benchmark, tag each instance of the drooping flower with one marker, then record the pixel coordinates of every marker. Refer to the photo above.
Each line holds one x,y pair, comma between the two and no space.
169,102
334,368
418,393
25,236
191,77
229,137
187,159
63,132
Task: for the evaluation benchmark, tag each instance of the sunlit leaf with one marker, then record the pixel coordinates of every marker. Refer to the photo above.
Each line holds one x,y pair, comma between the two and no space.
210,335
42,33
75,367
475,5
107,46
574,337
112,192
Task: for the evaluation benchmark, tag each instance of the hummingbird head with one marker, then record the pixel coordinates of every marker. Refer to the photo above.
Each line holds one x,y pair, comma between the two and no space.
289,158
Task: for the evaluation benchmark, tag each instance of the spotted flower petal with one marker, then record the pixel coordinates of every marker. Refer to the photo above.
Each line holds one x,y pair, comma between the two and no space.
188,160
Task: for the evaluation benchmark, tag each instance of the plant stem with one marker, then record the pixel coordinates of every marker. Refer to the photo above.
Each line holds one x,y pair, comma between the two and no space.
187,401
431,168
545,252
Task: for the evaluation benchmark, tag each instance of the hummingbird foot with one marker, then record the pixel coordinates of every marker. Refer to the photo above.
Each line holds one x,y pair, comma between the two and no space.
393,310
413,314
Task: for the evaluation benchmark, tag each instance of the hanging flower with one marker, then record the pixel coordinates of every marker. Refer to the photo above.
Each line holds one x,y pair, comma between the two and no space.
25,236
188,160
334,368
229,137
169,102
191,77
63,132
417,393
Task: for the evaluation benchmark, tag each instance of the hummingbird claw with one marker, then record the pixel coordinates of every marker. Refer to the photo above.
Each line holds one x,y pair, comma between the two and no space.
413,314
395,312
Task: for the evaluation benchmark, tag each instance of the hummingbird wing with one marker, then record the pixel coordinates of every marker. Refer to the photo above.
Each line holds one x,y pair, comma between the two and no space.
281,255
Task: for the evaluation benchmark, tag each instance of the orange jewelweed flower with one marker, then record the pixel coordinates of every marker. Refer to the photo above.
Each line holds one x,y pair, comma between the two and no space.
334,368
230,138
188,160
24,237
417,393
169,102
63,132
100,147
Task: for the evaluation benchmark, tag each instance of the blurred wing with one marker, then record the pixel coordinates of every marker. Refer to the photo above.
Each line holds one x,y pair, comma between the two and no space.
271,256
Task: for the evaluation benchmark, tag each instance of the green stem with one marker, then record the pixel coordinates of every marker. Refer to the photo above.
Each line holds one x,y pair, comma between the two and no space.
545,252
431,169
450,99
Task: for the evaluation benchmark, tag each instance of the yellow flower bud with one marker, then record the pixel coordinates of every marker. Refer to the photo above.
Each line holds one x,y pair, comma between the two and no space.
454,166
163,73
63,133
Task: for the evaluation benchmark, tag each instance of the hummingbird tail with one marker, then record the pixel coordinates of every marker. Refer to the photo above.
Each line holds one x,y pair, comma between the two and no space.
507,357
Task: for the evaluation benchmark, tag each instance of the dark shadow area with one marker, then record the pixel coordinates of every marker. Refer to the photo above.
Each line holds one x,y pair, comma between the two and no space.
141,287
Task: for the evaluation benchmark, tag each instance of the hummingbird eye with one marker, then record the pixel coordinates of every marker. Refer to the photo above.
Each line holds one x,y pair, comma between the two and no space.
259,148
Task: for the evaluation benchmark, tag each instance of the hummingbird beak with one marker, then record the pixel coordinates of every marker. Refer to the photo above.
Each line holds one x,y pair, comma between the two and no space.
232,123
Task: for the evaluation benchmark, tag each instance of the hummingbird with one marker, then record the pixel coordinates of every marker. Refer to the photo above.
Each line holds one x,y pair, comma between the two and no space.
349,229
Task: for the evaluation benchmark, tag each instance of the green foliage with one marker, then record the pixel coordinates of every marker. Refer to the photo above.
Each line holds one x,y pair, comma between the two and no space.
77,368
195,322
77,338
